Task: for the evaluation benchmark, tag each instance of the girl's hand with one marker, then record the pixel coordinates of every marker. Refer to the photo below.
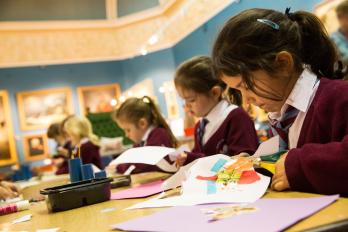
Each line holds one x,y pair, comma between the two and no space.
180,159
63,151
9,186
111,168
6,193
280,180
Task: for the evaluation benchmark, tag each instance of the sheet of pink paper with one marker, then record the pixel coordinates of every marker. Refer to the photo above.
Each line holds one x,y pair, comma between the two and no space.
275,214
143,190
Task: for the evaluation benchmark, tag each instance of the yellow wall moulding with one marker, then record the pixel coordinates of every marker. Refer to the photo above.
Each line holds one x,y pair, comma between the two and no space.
62,42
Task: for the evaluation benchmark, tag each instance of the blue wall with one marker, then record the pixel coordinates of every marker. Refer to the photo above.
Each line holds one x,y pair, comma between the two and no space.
160,66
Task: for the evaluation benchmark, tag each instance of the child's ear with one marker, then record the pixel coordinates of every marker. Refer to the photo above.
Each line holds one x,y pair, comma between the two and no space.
285,61
143,123
216,92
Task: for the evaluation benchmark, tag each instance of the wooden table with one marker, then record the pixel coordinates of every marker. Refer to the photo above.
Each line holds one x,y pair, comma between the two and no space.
90,218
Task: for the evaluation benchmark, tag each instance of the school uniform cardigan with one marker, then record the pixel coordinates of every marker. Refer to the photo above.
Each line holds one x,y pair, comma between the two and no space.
319,164
64,167
157,137
235,135
90,154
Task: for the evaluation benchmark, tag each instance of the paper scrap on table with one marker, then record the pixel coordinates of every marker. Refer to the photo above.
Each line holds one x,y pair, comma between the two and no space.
268,147
226,211
48,230
196,191
274,214
143,190
22,219
107,210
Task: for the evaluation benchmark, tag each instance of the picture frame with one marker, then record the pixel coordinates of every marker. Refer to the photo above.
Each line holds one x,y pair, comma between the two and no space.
170,95
139,90
326,12
8,154
98,98
40,108
35,147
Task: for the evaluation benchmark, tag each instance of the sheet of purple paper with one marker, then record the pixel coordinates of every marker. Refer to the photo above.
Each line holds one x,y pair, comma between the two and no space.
272,215
143,190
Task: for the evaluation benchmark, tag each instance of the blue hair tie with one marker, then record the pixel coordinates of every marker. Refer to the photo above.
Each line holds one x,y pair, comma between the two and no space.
269,23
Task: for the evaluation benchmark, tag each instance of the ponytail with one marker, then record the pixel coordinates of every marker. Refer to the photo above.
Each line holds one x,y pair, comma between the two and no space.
317,49
158,120
134,109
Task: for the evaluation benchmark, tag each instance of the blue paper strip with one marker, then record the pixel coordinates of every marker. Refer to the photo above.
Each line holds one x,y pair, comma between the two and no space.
211,187
218,165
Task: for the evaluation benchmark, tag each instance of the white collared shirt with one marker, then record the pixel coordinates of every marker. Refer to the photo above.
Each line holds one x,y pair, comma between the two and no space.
146,135
301,98
84,140
216,117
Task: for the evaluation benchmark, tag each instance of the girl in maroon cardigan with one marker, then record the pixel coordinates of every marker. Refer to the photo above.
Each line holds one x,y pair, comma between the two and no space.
143,123
85,143
224,128
63,148
277,61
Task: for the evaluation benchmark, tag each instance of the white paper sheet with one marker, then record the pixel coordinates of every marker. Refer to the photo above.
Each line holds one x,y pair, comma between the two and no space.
48,230
268,147
146,155
177,179
245,194
195,192
22,219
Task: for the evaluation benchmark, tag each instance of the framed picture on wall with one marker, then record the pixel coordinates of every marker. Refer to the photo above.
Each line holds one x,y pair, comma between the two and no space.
35,147
140,89
98,98
170,95
326,12
38,109
8,153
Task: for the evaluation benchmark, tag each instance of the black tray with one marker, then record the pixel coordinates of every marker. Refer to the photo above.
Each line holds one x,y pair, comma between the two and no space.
77,194
121,181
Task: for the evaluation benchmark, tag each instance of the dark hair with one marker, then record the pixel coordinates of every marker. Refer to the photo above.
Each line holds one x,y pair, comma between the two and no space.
134,109
54,130
342,8
251,40
197,74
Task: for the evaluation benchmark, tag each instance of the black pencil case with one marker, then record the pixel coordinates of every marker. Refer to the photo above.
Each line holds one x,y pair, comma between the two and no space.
78,194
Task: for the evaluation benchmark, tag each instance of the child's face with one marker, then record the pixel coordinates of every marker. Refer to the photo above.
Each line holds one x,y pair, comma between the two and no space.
197,104
264,84
59,139
134,131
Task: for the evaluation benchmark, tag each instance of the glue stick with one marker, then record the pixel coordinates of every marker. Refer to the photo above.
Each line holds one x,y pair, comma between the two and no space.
14,207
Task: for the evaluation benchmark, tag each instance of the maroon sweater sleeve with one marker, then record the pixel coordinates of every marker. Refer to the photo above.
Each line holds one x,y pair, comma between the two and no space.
237,132
157,137
319,164
319,168
64,168
90,154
